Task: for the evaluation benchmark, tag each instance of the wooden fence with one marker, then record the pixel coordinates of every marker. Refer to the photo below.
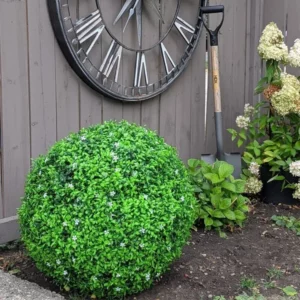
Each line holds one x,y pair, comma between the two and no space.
42,100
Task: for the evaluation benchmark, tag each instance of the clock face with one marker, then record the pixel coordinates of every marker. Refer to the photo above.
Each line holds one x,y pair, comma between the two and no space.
130,50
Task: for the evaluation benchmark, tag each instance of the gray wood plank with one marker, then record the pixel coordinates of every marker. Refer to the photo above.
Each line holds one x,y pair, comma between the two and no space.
275,11
15,102
42,78
1,141
90,101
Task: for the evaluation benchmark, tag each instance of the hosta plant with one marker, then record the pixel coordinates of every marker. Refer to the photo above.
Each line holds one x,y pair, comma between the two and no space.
220,196
107,210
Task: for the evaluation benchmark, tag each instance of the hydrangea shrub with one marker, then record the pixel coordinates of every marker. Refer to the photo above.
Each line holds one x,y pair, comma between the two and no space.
107,209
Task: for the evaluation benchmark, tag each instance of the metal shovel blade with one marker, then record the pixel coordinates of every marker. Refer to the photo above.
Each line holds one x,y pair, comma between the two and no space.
231,158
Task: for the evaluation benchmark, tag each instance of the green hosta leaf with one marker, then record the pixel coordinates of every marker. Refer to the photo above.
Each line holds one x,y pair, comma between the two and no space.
225,170
194,163
214,178
297,146
239,186
257,151
218,214
209,210
202,213
215,199
217,223
244,208
290,291
268,159
239,215
229,214
229,186
225,204
208,222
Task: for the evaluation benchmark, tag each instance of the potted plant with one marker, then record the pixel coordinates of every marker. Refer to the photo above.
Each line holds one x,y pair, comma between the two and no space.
270,131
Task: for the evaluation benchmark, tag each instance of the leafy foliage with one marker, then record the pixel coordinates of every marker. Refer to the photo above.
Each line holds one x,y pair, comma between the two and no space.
288,222
219,194
107,210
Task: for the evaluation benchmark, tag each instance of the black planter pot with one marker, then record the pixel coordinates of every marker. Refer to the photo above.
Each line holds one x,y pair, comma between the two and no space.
271,192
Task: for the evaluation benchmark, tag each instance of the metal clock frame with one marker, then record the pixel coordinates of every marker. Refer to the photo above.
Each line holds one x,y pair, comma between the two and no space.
76,64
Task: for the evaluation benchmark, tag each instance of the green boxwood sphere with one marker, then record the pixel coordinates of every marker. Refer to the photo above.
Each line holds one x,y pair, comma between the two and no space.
107,209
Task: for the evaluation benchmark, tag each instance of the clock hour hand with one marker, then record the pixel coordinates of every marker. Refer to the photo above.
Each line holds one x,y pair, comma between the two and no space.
131,13
125,7
156,9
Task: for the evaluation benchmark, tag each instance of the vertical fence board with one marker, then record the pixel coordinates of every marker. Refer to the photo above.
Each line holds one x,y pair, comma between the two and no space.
1,135
15,102
275,11
42,78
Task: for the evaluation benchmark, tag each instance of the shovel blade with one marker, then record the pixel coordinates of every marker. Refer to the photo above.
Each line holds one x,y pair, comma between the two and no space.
231,158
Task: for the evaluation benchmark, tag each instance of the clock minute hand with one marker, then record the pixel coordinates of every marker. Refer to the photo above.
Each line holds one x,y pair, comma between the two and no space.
131,13
139,22
125,7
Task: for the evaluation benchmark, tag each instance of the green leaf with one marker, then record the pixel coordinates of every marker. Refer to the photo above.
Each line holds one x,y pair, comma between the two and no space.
229,214
215,199
225,203
217,223
214,178
208,222
225,170
229,186
240,143
239,186
194,163
239,215
290,291
257,151
297,146
276,178
218,214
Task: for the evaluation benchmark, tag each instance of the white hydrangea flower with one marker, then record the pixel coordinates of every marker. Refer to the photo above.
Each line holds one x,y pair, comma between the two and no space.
70,185
248,110
147,276
142,245
65,224
295,168
118,289
294,55
74,238
45,195
243,122
65,273
77,222
110,204
58,261
143,230
182,199
296,194
83,138
254,168
122,245
106,232
112,194
115,158
253,185
118,275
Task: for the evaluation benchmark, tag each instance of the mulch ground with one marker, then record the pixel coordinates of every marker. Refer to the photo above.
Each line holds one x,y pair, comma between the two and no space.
210,266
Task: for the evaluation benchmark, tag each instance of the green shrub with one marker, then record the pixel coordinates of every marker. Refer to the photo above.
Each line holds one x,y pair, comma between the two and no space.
219,194
107,210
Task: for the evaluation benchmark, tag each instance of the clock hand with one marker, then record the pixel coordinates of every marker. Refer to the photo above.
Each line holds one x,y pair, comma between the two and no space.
125,7
156,9
139,22
131,13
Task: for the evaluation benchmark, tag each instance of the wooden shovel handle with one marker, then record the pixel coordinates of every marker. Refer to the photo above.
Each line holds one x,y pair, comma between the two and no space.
216,77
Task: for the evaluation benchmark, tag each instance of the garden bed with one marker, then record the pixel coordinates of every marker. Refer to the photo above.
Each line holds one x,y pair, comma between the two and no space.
212,266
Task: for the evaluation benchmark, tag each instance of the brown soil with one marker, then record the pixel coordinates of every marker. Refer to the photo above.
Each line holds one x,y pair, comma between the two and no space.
210,266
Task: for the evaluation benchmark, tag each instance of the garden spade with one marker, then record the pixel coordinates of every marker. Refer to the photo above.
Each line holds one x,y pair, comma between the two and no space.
232,158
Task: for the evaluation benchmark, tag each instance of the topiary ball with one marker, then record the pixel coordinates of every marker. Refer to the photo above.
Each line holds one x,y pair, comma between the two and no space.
107,209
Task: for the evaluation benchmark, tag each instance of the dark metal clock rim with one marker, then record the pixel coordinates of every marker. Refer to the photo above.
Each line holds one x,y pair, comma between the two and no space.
146,49
75,63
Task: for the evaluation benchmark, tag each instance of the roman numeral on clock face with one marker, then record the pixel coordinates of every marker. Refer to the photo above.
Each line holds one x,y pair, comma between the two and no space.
167,59
89,27
112,58
140,68
184,27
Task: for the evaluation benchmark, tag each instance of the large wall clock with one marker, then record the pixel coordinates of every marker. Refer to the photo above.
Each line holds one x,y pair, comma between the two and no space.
130,50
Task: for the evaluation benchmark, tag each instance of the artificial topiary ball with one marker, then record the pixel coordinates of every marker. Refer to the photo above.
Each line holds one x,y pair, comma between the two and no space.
107,209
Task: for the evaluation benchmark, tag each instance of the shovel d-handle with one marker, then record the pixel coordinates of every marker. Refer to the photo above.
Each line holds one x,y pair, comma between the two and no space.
206,10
